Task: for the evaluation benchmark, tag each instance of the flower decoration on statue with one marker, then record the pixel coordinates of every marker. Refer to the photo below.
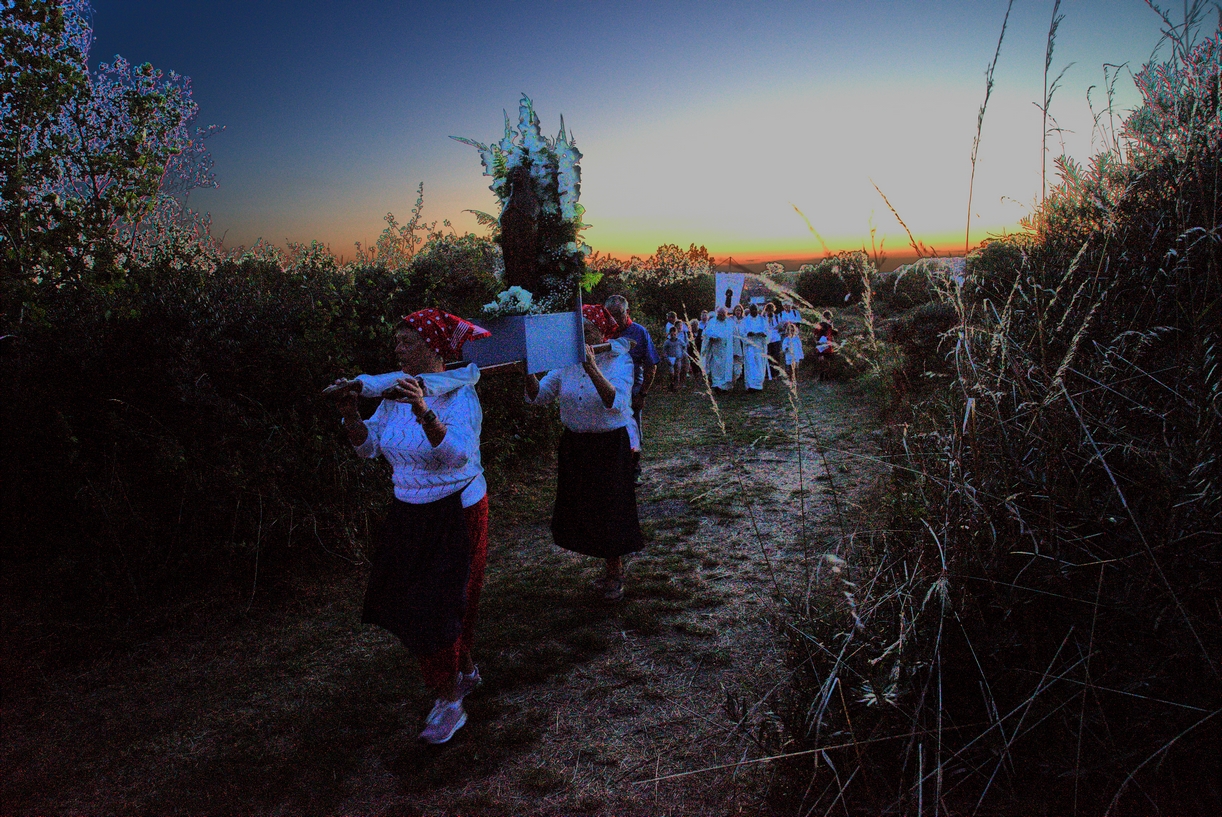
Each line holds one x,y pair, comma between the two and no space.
513,301
540,223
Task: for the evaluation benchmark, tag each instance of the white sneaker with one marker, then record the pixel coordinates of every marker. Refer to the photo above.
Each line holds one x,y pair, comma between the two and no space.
446,718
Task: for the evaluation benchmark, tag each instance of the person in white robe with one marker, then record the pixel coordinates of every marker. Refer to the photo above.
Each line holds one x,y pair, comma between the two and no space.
717,350
736,317
754,330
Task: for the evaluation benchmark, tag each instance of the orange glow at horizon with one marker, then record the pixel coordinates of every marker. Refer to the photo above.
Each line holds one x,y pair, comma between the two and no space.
814,252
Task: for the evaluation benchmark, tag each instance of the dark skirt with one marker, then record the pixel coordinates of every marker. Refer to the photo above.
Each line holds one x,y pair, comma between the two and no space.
777,357
595,510
418,585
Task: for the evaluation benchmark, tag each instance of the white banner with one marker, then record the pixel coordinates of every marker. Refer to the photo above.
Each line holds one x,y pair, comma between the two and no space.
729,286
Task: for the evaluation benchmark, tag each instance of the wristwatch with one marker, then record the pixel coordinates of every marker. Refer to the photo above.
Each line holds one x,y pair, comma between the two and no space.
429,416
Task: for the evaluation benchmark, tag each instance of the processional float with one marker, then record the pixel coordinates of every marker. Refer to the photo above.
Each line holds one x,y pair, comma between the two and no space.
538,183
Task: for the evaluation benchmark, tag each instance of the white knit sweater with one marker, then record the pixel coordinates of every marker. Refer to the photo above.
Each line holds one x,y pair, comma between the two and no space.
423,473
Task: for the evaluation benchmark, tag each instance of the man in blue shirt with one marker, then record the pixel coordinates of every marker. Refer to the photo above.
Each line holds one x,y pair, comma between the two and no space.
645,362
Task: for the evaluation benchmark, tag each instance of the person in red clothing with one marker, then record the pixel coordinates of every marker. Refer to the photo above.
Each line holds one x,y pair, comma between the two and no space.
428,565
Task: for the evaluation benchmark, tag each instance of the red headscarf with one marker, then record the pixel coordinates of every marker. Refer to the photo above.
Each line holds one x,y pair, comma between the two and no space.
598,315
444,333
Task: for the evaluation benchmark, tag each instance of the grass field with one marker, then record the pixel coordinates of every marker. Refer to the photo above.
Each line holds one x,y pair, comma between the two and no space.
293,706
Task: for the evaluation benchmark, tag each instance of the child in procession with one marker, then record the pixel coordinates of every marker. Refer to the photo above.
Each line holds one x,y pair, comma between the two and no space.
674,350
791,347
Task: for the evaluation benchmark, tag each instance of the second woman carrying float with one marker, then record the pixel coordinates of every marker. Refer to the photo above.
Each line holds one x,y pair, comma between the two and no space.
595,512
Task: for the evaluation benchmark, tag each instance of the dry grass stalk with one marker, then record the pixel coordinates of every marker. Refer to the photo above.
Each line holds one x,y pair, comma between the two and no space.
988,90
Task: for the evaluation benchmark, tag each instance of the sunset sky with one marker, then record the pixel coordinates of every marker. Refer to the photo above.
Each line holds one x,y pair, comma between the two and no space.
701,122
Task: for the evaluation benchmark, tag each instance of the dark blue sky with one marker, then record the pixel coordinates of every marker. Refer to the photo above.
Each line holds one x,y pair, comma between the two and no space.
699,121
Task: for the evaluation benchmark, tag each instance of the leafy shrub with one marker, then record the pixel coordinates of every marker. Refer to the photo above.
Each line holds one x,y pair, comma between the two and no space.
92,154
920,333
460,271
672,279
820,286
169,434
836,280
914,284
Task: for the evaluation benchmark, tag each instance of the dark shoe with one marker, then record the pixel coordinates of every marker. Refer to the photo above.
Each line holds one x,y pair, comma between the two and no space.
614,591
467,683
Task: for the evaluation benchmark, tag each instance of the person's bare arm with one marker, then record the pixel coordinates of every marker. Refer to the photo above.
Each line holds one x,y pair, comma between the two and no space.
532,387
434,429
346,402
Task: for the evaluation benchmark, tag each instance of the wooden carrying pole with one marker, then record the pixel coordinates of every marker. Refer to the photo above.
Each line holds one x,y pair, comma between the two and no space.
511,366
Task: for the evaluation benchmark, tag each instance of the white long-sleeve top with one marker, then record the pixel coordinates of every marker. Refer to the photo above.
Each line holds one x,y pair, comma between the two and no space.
581,407
791,346
423,473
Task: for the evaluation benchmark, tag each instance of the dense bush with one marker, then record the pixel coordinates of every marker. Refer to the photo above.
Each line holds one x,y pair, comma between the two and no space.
922,336
835,281
650,300
914,284
169,433
670,280
1034,627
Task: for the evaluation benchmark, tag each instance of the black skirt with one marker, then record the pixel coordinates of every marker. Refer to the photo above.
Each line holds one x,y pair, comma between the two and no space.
418,585
777,357
595,512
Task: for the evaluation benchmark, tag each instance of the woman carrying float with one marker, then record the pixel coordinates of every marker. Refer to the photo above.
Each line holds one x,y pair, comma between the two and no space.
595,512
428,565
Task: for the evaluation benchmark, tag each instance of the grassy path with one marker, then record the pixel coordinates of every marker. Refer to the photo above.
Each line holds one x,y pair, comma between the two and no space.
297,708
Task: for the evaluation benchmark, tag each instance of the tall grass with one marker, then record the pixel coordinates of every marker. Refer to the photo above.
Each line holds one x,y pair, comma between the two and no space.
988,91
1049,91
1032,626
